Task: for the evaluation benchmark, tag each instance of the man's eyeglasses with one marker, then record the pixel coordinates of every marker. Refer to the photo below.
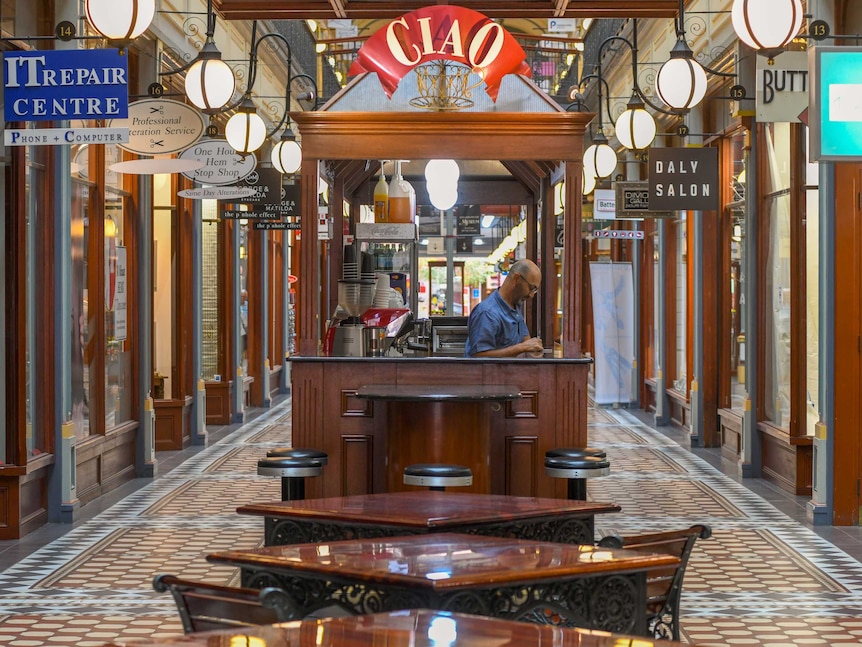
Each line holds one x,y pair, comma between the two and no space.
533,288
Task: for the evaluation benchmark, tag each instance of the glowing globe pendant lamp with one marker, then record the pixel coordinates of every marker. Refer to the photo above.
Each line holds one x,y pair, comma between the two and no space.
766,24
120,20
635,128
681,81
245,131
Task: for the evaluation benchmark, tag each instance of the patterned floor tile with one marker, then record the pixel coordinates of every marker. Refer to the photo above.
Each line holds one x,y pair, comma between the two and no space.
216,497
772,631
278,433
240,460
129,559
599,415
641,460
752,560
601,435
83,630
662,498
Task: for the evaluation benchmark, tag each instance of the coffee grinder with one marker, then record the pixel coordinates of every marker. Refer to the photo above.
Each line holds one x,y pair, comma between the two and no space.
344,336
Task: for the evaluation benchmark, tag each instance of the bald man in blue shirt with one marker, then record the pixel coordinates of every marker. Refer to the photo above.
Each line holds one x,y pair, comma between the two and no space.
496,327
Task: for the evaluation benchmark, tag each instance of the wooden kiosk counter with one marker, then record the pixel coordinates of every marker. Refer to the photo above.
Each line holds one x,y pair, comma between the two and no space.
540,144
501,427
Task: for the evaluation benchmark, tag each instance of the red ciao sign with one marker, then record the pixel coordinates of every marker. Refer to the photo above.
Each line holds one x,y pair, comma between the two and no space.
441,32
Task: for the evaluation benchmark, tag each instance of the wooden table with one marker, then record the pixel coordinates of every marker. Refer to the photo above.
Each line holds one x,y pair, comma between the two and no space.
410,628
391,514
448,423
542,582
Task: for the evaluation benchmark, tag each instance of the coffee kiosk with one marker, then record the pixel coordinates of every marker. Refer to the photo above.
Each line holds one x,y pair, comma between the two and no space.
534,138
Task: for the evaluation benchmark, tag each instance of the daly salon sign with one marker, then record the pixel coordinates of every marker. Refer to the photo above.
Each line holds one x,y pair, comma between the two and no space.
48,85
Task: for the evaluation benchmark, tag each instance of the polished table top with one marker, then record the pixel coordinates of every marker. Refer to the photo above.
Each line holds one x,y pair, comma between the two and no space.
409,628
437,392
427,510
443,561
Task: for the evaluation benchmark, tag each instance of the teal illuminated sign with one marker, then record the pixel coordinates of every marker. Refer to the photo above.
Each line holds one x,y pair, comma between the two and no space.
836,104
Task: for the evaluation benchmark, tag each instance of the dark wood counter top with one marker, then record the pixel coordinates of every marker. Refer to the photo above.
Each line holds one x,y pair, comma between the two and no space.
467,561
428,510
444,360
390,514
437,392
409,628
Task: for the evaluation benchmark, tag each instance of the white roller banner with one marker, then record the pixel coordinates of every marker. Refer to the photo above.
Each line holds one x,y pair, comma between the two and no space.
613,323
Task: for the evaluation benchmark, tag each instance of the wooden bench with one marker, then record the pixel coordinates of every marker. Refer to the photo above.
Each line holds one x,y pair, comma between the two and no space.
664,585
206,607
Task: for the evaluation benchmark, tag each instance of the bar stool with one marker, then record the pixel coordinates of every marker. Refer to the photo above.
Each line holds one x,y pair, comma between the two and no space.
293,472
438,476
575,452
298,452
577,469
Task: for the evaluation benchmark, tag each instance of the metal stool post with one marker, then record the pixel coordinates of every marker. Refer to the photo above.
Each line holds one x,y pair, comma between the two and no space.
576,469
293,472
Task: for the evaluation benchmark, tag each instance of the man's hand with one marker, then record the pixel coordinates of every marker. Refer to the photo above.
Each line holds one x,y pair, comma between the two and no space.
533,347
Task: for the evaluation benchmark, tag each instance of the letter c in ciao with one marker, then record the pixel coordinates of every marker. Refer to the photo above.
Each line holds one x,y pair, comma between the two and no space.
395,47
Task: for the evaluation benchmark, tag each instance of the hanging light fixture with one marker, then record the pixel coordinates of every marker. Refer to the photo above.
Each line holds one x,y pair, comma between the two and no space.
245,130
589,183
600,160
209,81
120,20
766,24
286,154
635,128
444,200
681,81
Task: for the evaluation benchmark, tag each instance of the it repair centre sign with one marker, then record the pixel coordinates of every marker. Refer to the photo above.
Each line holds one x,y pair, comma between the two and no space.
48,85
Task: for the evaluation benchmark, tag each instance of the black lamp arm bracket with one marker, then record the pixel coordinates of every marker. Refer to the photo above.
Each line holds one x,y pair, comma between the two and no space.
607,94
193,29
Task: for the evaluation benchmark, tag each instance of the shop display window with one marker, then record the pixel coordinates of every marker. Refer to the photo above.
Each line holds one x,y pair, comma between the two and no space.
37,441
118,361
209,289
777,273
812,294
680,301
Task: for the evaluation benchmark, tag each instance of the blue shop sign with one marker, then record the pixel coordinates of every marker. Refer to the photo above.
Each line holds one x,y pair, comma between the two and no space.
51,85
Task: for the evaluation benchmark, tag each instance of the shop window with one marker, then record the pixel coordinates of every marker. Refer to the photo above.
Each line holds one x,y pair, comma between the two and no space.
118,361
36,218
680,380
209,292
812,293
735,212
244,294
777,273
164,307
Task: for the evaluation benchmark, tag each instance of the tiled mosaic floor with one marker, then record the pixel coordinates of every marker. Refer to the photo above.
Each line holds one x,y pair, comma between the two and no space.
763,579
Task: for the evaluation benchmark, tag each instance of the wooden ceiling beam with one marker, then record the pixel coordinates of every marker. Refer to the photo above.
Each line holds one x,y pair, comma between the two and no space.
377,9
524,174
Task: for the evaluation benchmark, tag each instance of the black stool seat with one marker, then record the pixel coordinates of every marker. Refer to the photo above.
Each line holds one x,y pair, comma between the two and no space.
293,472
438,476
289,466
577,469
298,452
575,452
